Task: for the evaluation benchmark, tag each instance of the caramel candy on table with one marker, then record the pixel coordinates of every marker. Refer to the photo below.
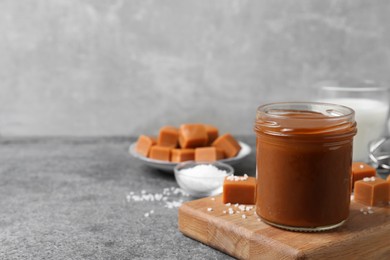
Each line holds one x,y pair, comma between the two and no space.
241,190
160,153
168,136
212,133
361,170
181,155
144,144
192,135
228,144
208,154
372,191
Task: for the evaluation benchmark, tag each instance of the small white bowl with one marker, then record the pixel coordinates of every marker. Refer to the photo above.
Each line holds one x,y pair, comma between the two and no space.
203,182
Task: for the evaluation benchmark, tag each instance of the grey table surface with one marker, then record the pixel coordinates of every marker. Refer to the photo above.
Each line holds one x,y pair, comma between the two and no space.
76,198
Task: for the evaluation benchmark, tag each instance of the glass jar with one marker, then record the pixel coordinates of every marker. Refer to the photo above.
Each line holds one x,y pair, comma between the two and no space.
369,100
304,157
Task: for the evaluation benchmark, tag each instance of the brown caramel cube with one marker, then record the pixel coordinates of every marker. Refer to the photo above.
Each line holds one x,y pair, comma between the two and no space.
192,135
241,190
181,155
144,144
228,144
168,137
212,133
361,170
208,154
160,153
372,191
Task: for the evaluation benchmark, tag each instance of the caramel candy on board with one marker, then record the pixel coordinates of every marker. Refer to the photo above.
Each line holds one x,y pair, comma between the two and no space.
144,144
228,144
208,154
160,153
241,190
212,133
361,170
192,135
181,155
168,136
372,191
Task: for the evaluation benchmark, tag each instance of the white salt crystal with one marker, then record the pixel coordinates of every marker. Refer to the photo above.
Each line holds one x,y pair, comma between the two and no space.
242,207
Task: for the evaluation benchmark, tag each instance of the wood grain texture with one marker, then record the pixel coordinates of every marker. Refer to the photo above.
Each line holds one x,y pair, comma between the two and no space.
364,236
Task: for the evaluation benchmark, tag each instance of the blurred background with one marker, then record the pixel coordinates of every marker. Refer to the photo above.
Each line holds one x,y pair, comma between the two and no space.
126,67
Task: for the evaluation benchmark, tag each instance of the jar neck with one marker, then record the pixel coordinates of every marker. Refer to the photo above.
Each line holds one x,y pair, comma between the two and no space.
305,120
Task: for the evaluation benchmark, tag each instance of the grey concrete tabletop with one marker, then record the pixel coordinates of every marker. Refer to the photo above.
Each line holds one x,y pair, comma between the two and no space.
87,198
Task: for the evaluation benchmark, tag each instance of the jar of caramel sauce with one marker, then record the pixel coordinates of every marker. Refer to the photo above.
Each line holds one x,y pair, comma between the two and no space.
304,157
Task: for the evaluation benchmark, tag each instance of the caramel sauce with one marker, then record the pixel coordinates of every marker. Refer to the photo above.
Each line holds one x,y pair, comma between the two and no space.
304,168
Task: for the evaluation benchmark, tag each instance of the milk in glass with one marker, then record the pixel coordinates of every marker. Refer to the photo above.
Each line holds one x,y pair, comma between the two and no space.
371,117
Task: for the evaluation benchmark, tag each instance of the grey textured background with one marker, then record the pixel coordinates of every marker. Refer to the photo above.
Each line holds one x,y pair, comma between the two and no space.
107,67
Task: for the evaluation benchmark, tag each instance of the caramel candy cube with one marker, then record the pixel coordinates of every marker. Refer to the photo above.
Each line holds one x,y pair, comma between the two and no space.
361,170
192,135
212,133
144,144
372,191
228,145
208,154
168,137
160,153
241,190
181,155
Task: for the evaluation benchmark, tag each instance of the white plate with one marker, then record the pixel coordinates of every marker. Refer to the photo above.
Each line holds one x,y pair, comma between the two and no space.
168,166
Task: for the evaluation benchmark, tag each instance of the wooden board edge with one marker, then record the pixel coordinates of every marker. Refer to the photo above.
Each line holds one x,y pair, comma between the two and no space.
192,224
234,240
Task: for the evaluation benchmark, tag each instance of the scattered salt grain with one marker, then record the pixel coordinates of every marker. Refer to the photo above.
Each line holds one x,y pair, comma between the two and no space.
212,198
243,216
237,178
368,179
169,198
228,204
367,210
209,209
242,207
224,211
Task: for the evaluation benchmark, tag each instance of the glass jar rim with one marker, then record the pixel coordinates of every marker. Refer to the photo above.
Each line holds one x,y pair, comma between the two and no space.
305,119
351,85
334,111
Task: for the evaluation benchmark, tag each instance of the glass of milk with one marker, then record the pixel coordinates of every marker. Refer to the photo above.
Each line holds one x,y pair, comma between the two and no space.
371,104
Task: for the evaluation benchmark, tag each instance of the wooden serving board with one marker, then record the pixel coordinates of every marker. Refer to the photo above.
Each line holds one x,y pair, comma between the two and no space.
363,236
